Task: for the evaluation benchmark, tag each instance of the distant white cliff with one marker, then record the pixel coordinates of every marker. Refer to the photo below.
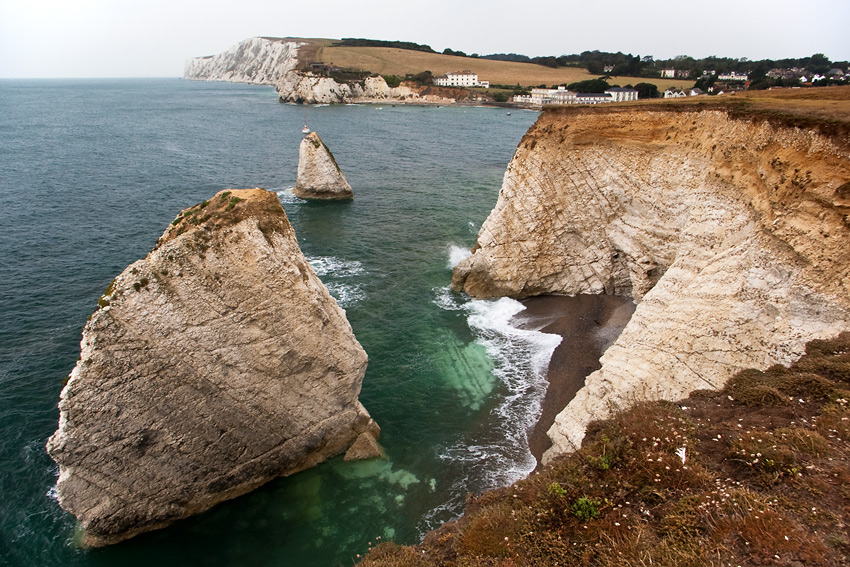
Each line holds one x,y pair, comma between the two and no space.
259,60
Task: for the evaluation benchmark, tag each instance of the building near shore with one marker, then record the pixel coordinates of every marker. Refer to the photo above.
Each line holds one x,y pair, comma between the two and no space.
621,94
460,79
545,97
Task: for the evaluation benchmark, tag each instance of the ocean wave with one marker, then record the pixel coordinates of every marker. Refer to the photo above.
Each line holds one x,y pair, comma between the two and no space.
345,294
287,197
446,299
456,254
332,269
335,267
496,453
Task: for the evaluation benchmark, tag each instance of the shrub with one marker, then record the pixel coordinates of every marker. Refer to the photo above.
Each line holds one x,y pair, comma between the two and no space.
585,508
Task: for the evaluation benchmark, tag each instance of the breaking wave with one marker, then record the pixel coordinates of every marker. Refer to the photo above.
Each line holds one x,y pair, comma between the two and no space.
496,452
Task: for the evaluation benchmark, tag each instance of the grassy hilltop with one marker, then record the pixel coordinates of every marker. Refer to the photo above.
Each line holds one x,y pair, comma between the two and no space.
394,61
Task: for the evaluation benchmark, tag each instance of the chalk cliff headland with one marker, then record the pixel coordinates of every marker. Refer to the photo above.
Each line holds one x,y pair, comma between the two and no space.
213,365
283,63
730,233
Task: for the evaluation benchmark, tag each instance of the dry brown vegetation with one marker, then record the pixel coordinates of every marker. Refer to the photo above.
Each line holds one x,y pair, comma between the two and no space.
227,208
392,61
823,108
764,482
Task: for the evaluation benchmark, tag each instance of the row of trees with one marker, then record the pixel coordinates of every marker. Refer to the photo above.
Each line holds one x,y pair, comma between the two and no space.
628,65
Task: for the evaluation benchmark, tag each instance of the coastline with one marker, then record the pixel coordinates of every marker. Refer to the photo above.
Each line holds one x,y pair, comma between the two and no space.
588,325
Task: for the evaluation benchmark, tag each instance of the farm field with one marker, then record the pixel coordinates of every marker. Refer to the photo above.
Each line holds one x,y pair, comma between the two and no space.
393,61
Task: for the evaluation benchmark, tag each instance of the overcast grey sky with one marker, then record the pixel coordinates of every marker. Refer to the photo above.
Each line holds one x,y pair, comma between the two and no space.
153,38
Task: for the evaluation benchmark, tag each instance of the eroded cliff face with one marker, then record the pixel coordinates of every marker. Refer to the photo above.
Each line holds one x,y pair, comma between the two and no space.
319,176
213,365
257,60
731,234
301,87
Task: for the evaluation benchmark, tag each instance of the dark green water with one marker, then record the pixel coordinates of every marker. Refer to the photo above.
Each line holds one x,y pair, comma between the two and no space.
91,173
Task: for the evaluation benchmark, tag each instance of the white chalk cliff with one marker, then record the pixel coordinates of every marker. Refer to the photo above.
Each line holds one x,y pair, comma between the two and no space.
730,233
258,60
319,176
214,364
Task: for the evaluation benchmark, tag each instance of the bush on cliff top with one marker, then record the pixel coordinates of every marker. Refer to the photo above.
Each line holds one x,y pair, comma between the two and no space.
755,474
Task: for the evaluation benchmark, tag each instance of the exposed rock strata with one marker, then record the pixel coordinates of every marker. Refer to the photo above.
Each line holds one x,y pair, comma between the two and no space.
731,234
319,176
213,365
307,88
258,60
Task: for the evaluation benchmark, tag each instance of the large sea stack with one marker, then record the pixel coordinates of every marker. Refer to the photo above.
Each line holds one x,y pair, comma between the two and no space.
319,176
728,228
214,364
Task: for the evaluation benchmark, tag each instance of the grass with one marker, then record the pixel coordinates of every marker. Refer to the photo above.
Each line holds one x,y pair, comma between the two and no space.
763,481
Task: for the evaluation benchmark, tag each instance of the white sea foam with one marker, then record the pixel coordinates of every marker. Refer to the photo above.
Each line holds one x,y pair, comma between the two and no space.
346,295
446,299
336,274
456,254
335,267
496,453
287,197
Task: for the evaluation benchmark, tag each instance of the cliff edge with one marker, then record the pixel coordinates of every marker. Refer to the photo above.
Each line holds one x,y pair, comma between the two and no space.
257,60
730,232
214,364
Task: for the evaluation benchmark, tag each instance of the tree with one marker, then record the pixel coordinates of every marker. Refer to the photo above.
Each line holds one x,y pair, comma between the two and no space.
647,90
448,51
589,86
546,61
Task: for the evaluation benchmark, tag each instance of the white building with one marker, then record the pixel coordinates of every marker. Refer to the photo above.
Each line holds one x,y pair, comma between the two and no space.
674,93
733,76
544,97
668,73
593,98
461,79
622,95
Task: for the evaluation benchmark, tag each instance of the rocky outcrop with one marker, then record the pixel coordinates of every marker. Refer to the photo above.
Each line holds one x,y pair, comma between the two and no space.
214,364
305,87
259,60
731,234
319,176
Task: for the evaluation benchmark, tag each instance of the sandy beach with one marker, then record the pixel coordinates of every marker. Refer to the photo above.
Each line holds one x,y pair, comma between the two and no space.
588,325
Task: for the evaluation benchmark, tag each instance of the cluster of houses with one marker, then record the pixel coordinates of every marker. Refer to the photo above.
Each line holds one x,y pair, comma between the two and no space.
544,97
804,77
460,79
678,93
675,73
686,73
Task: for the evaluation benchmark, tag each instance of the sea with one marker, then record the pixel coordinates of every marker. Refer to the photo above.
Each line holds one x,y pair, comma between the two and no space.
92,172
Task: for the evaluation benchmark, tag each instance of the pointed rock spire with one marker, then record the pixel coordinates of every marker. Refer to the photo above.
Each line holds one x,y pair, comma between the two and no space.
319,176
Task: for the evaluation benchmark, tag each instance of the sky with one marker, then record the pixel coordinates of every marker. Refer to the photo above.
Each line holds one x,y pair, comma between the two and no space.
153,38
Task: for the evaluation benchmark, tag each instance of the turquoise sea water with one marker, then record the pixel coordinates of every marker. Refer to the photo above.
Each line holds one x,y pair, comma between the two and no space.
91,173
